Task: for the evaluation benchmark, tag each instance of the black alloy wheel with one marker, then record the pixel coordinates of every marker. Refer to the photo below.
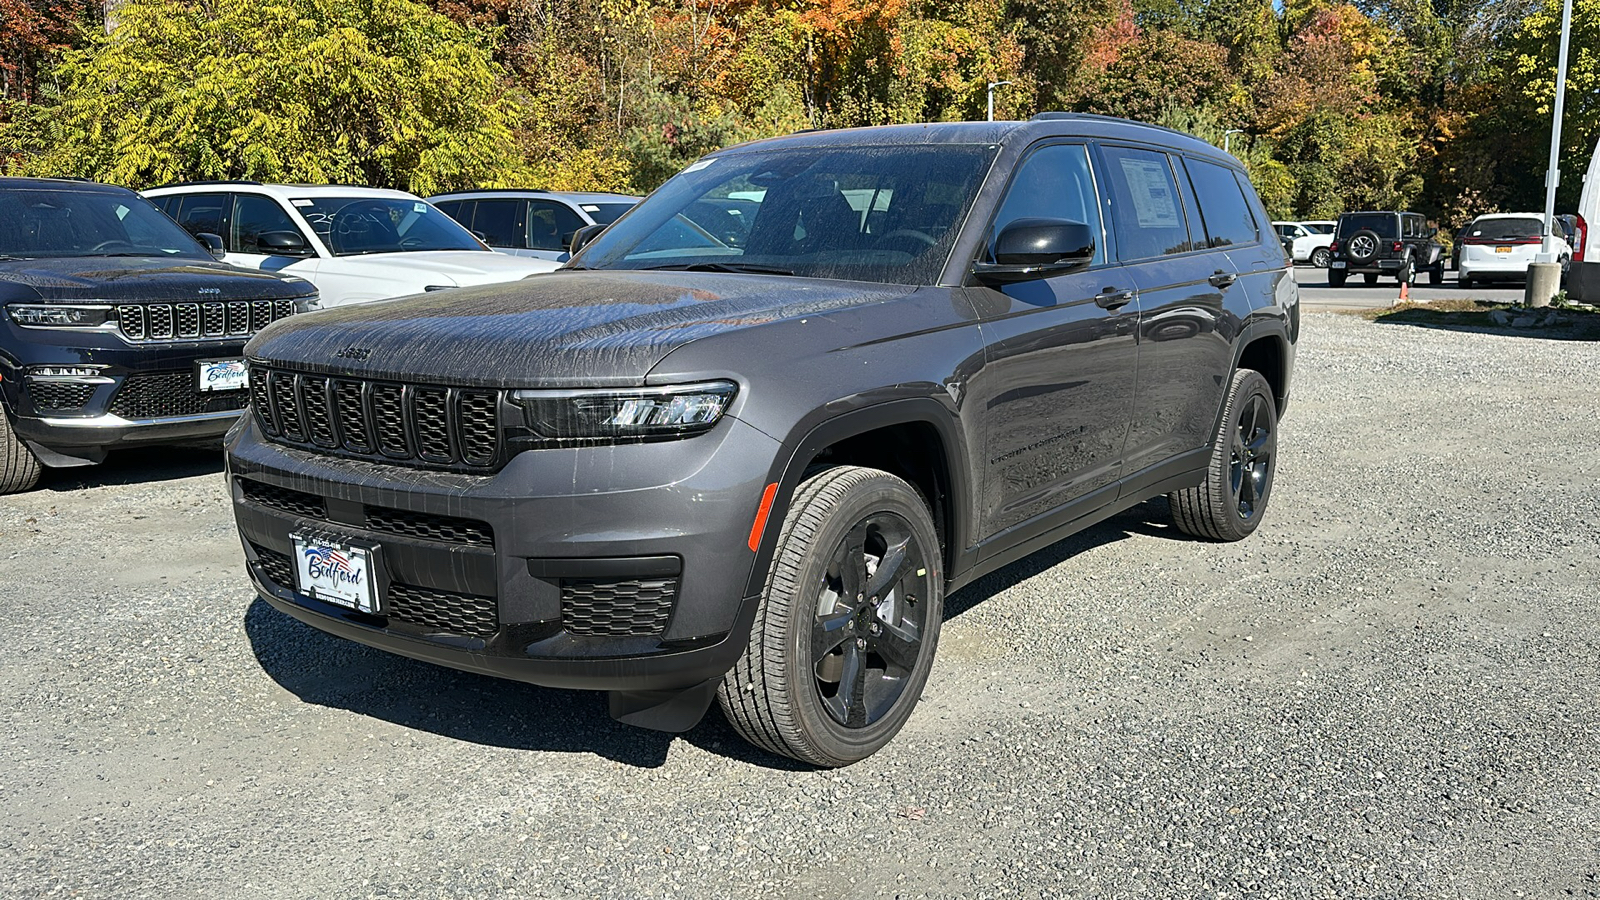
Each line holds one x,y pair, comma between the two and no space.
848,625
1229,503
1251,458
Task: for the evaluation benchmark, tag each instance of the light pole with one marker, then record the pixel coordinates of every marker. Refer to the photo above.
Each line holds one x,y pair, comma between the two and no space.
1227,134
1552,175
992,86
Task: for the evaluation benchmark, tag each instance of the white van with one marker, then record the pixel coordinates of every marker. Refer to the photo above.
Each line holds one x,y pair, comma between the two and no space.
1583,280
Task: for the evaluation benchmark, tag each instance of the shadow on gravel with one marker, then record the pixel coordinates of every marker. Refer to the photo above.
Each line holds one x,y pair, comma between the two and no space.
328,671
1475,316
144,466
1152,518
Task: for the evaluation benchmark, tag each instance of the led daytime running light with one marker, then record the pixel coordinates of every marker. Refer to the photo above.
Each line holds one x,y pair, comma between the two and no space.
626,414
47,315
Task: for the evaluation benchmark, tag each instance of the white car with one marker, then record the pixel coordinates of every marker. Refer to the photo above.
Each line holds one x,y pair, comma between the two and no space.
531,223
355,244
1308,240
1502,245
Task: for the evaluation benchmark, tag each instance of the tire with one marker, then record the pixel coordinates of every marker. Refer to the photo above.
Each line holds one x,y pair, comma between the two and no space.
1436,275
19,468
1362,247
1320,257
1465,282
1407,273
1370,278
1336,277
1229,504
786,693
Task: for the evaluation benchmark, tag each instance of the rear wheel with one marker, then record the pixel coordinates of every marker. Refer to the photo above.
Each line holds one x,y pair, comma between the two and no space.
1465,281
1370,278
1320,257
1436,274
846,631
1408,271
1229,504
19,468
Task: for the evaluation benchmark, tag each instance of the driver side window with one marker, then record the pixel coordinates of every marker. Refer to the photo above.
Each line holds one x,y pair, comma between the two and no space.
1055,182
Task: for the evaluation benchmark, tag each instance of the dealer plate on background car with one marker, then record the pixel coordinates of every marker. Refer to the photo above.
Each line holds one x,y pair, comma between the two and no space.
335,571
1336,265
222,375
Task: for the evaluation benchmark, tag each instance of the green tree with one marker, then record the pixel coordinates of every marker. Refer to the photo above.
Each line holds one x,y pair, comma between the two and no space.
379,92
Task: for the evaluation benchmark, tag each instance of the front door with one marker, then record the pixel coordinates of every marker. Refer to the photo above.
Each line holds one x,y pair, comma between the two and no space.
1058,380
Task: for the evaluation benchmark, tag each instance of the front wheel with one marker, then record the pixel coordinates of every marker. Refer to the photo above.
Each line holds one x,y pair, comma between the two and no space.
1336,277
1229,504
1320,257
1408,271
19,468
1370,278
1436,274
845,635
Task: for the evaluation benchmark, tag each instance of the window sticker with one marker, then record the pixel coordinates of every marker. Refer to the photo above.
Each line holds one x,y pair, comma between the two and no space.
1151,191
419,206
589,207
697,166
122,212
301,202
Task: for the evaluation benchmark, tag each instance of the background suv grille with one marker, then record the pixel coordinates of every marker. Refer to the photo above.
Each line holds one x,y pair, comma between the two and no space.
634,607
142,322
416,425
171,394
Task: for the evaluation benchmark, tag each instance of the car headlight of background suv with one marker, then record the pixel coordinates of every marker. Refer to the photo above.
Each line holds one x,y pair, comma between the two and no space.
59,315
625,414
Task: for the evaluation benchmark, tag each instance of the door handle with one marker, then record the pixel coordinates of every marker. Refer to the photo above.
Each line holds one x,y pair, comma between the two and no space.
1222,279
1111,298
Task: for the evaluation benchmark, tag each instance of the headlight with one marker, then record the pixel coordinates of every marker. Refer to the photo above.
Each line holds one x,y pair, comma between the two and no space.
42,315
307,303
626,414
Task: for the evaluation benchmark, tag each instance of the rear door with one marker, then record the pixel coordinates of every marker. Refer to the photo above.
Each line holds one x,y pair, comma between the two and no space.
503,224
551,225
254,215
1057,384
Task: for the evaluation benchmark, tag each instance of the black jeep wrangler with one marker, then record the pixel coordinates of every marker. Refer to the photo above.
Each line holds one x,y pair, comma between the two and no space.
1384,243
682,470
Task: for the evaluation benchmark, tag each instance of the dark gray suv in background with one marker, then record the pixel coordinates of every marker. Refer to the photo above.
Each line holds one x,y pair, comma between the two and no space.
683,469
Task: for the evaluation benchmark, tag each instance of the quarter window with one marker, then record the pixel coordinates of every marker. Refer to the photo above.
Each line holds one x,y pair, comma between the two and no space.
1226,213
1055,182
1147,208
204,214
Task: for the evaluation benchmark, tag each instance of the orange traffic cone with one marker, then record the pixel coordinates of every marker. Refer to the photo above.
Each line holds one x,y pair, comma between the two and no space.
1405,293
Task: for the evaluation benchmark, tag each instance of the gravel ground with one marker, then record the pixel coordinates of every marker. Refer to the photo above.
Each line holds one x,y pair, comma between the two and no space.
1389,691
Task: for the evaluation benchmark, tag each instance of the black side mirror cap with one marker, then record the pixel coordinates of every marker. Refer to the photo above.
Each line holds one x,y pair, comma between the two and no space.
1037,248
282,243
583,236
213,244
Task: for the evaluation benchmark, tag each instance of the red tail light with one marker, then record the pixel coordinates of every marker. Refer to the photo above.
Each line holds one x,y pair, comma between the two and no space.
1583,239
1396,246
1333,246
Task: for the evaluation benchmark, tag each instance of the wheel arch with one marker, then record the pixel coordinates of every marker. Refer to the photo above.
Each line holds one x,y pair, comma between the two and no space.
915,439
1264,347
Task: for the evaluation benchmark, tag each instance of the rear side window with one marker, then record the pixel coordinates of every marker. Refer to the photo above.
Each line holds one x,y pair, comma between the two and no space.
253,216
1223,207
1146,205
1054,182
204,214
497,221
460,210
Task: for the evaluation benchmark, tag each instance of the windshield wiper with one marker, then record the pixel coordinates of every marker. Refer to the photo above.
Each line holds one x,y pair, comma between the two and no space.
737,268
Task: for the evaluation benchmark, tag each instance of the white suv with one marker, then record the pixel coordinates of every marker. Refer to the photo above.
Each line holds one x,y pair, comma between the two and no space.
1310,241
532,223
1501,245
354,243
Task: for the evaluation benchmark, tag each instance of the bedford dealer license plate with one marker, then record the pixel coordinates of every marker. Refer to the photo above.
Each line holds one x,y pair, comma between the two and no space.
223,375
334,571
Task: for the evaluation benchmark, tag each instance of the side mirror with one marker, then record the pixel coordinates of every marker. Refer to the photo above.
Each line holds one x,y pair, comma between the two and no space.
582,237
283,243
213,244
1037,248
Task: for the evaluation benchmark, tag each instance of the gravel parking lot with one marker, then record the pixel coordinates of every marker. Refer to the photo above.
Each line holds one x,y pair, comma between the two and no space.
1389,691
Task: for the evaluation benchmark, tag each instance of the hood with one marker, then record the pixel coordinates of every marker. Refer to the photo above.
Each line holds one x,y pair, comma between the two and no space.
591,329
140,279
458,267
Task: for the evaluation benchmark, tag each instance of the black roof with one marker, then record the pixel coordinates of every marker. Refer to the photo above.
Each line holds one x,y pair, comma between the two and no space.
67,184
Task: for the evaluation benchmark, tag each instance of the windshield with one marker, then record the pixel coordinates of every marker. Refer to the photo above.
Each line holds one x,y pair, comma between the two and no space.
878,214
1506,229
1384,225
353,226
1319,227
57,223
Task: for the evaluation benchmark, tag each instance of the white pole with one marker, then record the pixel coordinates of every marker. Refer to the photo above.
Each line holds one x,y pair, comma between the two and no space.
1552,175
1228,134
992,86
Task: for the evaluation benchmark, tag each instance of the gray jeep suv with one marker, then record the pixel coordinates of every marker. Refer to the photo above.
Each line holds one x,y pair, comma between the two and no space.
681,470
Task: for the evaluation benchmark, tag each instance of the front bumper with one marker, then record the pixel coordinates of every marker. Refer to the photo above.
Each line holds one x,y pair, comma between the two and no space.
622,568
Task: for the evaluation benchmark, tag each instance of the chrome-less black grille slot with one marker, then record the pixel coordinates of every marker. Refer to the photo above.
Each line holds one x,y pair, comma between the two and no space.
314,410
299,503
278,568
166,394
445,529
59,395
464,614
618,608
283,390
389,420
352,416
429,426
261,400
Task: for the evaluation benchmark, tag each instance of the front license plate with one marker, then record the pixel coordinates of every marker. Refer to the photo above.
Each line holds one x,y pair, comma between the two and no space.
1339,264
1502,249
223,375
335,571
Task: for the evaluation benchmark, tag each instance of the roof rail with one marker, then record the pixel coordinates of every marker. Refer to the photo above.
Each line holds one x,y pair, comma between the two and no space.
1096,117
497,191
207,181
